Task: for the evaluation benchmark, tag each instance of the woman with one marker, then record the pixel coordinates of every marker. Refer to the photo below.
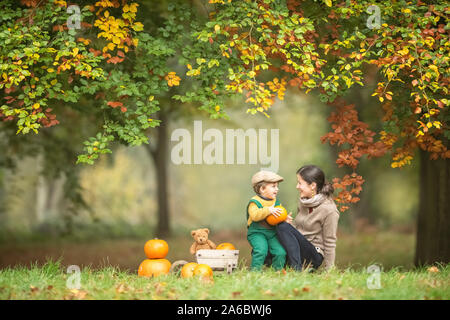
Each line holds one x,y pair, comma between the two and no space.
310,238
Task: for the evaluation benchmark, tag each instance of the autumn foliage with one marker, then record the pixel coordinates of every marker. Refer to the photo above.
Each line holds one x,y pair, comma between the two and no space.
330,54
256,49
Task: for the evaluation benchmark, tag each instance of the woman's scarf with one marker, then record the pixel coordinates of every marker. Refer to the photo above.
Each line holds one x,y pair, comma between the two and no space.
314,201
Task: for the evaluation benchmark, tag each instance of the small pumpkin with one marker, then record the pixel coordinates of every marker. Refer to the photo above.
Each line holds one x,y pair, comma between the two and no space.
272,220
156,249
154,267
203,270
188,270
225,246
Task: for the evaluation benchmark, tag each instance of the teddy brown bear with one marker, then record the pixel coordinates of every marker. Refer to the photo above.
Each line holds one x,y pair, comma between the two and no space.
201,240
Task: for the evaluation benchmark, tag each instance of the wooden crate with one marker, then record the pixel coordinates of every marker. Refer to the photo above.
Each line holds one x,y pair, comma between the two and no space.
225,260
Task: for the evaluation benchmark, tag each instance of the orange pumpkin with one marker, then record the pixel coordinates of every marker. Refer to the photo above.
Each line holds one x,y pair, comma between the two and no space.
188,270
156,249
272,220
154,267
203,270
225,246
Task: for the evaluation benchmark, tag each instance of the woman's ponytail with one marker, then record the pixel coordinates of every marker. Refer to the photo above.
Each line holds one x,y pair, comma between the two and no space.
327,189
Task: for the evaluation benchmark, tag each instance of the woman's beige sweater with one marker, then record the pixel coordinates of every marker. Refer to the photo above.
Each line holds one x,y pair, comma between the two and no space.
319,227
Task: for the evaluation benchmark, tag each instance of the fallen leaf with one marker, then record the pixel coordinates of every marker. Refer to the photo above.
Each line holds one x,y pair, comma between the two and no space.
121,288
159,287
236,294
268,292
75,293
433,283
305,289
172,295
33,289
433,269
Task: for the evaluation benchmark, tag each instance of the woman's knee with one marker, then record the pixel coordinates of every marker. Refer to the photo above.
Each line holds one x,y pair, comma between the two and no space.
283,227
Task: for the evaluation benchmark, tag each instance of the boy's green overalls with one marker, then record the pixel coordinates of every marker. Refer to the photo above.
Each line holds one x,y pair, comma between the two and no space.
263,239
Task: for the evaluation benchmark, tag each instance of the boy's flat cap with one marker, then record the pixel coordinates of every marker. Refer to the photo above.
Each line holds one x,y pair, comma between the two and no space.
266,176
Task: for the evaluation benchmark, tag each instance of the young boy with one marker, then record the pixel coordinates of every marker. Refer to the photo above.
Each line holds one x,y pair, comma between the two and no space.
261,235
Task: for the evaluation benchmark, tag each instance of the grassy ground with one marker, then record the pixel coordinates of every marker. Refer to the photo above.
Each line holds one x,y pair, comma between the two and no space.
50,282
108,271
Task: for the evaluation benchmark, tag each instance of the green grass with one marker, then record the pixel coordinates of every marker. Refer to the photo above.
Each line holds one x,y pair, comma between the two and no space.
49,282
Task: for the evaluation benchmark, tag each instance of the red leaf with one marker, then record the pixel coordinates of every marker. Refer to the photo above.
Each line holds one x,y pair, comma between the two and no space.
115,104
114,60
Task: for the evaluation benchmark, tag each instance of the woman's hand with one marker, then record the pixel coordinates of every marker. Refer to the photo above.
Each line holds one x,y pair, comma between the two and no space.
276,212
289,218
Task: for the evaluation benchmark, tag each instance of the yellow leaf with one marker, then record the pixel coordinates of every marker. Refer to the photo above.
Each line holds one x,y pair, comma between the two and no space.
116,40
437,124
133,7
216,28
200,60
138,26
328,3
36,105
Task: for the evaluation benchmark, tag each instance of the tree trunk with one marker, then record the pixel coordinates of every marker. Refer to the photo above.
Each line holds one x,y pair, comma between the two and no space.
159,155
433,225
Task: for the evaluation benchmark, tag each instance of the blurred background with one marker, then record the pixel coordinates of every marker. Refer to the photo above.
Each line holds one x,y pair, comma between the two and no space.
115,209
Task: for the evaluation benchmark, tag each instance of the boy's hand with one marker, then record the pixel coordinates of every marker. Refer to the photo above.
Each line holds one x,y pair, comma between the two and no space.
276,212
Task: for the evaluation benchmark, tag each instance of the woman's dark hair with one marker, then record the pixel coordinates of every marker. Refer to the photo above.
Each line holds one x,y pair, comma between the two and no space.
312,173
